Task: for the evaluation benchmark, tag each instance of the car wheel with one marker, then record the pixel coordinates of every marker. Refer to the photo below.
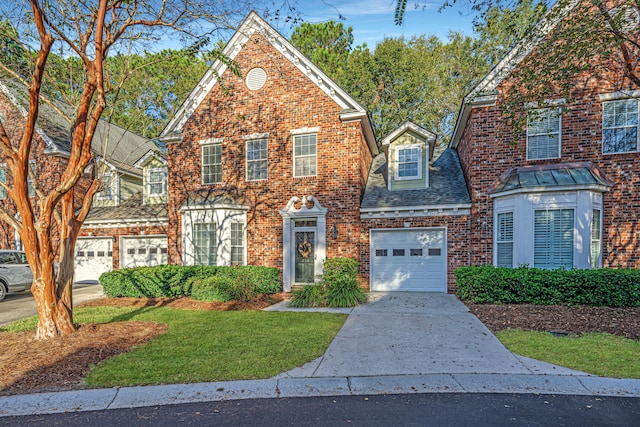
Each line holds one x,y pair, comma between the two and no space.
3,291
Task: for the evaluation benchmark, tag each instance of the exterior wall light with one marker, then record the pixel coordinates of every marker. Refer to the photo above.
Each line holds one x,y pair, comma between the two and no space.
334,232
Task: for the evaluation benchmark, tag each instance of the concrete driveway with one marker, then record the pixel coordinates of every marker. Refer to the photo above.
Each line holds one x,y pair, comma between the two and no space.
20,305
409,333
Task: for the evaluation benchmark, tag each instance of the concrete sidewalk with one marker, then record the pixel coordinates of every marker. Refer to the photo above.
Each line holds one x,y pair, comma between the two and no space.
397,343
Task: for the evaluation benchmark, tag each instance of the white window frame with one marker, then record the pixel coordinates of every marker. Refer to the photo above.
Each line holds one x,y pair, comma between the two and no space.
259,161
596,238
3,178
397,163
215,180
211,257
238,246
613,127
162,182
296,158
554,246
108,184
502,238
539,115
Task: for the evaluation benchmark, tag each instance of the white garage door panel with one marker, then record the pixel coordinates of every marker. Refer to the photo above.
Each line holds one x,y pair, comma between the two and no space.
93,257
143,251
408,260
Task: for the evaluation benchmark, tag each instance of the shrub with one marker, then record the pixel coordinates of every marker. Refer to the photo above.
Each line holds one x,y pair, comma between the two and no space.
210,289
309,296
175,281
599,287
339,287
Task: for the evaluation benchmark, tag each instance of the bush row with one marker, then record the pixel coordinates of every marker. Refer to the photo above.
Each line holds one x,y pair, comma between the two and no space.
200,282
600,287
338,288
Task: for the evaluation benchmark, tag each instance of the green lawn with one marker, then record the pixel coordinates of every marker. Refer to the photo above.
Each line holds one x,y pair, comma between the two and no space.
209,345
595,353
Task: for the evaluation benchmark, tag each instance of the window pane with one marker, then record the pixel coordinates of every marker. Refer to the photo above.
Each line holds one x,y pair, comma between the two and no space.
596,233
553,239
257,159
304,159
212,164
3,178
543,133
204,243
620,126
505,240
237,243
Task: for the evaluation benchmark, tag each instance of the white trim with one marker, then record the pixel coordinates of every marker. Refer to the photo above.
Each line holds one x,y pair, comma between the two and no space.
211,141
305,156
550,111
302,131
120,223
428,135
619,95
547,103
637,126
546,189
142,162
164,181
415,211
202,165
246,161
263,135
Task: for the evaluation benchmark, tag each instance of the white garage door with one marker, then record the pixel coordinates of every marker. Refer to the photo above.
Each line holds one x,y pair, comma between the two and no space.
409,260
143,251
94,256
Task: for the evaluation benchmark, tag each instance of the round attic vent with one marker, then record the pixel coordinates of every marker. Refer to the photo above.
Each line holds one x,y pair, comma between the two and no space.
627,18
256,78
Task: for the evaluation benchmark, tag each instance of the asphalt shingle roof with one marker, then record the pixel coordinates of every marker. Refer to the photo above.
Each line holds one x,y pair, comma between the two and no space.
446,184
130,209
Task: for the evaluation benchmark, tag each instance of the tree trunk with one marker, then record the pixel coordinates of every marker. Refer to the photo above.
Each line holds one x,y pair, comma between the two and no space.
55,316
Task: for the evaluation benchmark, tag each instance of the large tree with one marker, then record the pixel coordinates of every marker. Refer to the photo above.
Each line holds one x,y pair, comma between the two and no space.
90,31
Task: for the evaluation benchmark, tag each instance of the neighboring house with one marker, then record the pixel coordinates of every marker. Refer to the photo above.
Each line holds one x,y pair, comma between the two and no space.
270,167
116,151
127,225
564,196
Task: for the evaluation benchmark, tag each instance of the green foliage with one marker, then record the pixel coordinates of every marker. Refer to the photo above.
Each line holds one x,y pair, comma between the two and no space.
600,287
595,353
309,296
339,287
202,281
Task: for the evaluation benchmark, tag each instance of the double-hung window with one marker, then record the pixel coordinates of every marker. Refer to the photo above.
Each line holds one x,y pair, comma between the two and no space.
408,162
237,243
107,186
304,155
620,126
553,238
504,239
157,182
257,155
204,243
596,239
543,133
212,164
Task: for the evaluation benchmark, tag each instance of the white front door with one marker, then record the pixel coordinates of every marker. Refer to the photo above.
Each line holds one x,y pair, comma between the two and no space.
143,251
94,256
413,260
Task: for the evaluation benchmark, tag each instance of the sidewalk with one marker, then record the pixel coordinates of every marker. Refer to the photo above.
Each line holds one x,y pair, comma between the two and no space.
395,344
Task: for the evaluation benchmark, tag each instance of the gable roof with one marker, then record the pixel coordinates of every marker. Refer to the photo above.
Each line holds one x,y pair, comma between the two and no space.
121,147
409,125
484,93
253,23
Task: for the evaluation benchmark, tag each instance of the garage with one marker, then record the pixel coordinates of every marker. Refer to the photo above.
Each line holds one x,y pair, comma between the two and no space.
409,260
94,256
143,251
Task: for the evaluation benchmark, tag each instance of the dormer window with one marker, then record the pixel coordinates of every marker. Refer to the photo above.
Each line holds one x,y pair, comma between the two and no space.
408,162
156,182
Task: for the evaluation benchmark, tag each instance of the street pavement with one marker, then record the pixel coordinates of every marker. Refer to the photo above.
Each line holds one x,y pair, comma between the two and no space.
398,343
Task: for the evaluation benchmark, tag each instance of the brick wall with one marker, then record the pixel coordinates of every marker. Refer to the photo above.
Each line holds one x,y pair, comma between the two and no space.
289,100
486,152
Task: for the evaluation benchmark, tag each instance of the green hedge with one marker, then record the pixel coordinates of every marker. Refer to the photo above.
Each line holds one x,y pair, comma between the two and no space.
175,281
524,285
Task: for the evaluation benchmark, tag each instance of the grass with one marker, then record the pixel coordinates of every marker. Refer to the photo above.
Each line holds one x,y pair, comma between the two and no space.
208,345
595,353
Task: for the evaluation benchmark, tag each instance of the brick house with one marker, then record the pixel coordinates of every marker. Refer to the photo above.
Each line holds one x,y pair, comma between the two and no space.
119,158
566,195
276,167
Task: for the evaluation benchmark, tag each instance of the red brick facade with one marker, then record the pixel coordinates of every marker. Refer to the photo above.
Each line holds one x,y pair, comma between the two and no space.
288,101
486,151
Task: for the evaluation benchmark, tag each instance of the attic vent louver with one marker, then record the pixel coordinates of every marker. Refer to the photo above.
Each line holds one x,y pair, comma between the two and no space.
625,18
256,78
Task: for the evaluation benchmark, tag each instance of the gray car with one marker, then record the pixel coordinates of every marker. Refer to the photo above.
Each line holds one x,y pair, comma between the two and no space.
15,273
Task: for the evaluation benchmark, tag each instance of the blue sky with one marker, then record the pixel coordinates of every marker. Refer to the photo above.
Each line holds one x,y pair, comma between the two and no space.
372,20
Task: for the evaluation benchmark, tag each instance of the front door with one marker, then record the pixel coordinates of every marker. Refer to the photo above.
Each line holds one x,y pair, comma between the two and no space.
305,256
